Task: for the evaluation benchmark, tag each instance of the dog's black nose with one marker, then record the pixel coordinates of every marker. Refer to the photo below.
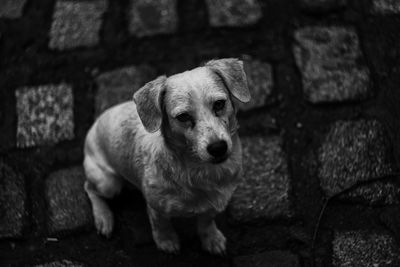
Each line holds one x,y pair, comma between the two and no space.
217,149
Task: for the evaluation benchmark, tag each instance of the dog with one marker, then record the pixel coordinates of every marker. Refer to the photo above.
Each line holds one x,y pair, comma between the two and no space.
177,142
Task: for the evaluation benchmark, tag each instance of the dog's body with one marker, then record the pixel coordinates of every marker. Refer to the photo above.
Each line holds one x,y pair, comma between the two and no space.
177,145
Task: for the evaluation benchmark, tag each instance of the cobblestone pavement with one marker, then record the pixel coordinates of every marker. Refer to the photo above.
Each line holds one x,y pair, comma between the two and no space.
320,136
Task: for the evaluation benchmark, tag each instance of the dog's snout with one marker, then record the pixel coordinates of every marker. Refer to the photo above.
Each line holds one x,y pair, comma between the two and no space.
217,149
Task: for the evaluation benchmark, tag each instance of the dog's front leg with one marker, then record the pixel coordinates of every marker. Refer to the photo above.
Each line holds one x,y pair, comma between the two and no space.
164,234
211,237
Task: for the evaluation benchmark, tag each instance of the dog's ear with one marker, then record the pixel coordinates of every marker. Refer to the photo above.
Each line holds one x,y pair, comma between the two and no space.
232,74
148,103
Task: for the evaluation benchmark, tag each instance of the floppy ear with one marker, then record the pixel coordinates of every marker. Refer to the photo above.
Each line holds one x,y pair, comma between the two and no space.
148,103
232,74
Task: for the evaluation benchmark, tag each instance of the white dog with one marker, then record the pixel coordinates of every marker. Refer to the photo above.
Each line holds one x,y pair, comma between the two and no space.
177,142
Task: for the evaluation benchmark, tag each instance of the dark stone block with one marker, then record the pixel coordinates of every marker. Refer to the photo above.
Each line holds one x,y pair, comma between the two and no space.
45,115
353,152
328,60
150,17
69,207
375,194
11,9
119,85
359,248
233,12
13,212
260,82
76,23
264,190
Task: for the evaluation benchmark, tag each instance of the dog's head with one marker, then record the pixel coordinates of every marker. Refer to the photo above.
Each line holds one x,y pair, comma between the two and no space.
196,109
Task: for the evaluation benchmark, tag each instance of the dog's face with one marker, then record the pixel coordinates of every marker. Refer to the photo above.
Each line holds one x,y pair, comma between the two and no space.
195,109
200,115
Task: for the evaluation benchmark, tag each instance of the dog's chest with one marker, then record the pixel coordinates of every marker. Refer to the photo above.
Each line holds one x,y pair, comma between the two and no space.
200,197
189,202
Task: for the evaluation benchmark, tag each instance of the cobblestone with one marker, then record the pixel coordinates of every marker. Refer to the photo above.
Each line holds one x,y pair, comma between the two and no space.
386,6
11,9
12,202
76,24
150,17
233,12
275,258
45,115
353,152
264,190
118,85
260,82
328,60
69,207
357,248
376,194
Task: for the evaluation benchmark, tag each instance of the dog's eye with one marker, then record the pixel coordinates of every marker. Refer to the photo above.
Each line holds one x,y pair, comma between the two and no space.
184,117
219,105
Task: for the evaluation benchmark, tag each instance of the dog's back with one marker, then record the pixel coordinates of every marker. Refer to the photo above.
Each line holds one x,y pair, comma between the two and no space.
114,138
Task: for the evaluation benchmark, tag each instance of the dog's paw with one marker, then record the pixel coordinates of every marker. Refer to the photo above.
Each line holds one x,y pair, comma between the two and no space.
104,221
168,244
214,242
